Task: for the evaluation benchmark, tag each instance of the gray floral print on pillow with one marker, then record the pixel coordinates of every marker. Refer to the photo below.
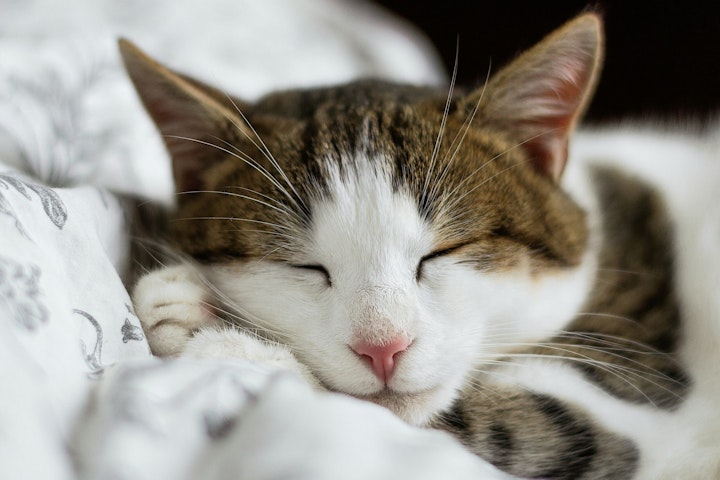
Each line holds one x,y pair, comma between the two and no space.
20,293
51,202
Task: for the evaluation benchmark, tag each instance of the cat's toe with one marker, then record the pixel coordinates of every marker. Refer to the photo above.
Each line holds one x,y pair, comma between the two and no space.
172,305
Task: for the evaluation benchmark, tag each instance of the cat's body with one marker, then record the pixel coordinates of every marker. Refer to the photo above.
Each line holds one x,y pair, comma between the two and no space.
415,249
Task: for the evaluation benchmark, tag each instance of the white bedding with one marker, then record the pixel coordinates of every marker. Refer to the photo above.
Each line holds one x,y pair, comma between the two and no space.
82,397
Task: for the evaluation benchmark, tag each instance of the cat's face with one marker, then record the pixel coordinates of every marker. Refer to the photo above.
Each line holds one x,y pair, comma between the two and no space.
394,241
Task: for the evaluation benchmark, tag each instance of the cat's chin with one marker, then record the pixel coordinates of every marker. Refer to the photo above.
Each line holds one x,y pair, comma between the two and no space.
416,408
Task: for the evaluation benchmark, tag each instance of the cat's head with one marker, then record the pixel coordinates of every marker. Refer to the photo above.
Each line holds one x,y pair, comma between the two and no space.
395,237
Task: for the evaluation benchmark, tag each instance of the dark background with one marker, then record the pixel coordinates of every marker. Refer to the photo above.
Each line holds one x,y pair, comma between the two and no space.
662,59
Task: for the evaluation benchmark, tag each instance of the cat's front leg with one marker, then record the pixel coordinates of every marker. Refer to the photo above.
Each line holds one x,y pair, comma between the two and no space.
175,309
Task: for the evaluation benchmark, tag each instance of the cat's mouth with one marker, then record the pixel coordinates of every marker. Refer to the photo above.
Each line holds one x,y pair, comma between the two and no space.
414,407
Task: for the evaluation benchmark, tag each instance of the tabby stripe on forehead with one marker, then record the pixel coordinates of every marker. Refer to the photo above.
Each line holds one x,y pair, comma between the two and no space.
308,154
307,105
402,160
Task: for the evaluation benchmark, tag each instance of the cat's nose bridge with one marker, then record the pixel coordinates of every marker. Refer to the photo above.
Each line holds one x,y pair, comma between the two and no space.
380,314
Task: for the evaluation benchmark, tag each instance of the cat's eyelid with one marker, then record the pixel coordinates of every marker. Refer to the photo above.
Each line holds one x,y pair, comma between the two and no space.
315,267
437,253
444,251
310,266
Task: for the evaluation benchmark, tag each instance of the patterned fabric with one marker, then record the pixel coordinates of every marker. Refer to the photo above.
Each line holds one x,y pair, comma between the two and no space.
82,396
64,313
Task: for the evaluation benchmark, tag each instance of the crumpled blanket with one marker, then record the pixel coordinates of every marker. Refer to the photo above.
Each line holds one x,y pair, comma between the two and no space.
83,398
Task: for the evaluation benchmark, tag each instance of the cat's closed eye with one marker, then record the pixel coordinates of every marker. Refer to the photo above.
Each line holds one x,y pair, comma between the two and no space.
315,268
433,255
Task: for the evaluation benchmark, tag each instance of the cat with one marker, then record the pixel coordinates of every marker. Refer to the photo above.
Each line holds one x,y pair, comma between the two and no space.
437,254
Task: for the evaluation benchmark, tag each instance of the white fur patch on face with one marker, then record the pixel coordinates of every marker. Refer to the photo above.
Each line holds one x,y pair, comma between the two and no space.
369,237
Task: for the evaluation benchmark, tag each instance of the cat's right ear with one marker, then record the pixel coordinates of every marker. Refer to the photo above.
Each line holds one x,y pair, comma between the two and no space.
193,118
543,93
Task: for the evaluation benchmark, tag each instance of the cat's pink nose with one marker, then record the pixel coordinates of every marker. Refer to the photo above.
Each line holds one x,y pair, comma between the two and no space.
382,357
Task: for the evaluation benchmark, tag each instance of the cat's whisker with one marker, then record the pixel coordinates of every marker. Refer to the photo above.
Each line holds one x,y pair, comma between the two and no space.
158,254
242,317
291,240
604,344
234,219
461,184
462,133
290,212
486,388
143,242
608,368
441,131
245,158
234,311
626,375
643,369
496,374
256,164
496,157
232,320
215,311
632,369
623,372
448,207
620,343
624,319
457,199
502,331
492,392
266,173
627,272
266,152
237,195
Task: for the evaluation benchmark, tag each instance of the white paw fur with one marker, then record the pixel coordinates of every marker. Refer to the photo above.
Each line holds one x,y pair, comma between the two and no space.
232,343
171,304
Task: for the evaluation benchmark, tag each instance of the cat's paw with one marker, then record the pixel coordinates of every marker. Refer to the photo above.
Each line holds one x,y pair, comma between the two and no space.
232,343
172,306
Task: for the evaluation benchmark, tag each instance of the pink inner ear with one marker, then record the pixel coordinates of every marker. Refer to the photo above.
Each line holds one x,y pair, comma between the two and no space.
548,156
572,77
179,125
553,115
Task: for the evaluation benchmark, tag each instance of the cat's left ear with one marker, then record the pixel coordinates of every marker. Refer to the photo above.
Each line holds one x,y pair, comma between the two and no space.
543,93
197,121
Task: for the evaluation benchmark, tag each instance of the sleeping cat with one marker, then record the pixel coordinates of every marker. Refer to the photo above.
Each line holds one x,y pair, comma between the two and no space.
430,252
